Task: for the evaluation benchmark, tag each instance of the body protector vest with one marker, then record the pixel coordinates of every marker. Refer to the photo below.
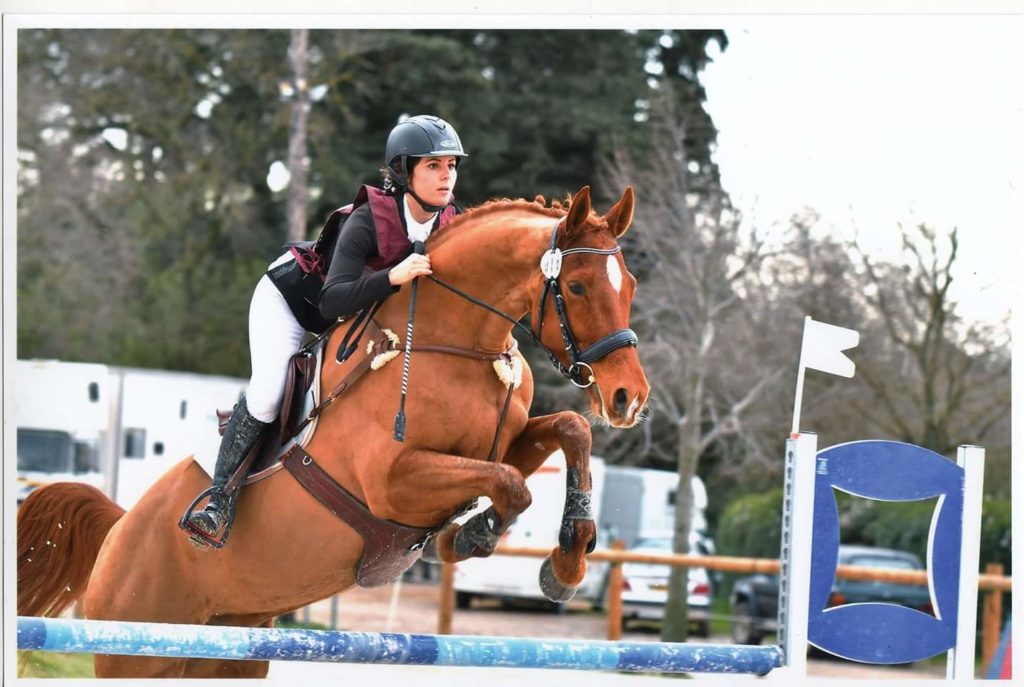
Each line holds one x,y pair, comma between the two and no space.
301,279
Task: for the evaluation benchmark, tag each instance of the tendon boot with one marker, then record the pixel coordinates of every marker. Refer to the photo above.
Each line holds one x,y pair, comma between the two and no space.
240,435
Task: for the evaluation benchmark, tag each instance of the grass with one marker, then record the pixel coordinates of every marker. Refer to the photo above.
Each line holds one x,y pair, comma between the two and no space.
50,664
720,610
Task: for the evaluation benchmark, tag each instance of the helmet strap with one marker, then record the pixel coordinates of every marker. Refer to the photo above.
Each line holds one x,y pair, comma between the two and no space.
424,204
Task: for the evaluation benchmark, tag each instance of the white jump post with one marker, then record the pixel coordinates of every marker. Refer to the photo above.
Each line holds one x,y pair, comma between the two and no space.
821,349
795,555
960,659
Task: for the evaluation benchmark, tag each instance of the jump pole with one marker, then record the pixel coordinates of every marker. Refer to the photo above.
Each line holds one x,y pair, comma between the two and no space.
261,644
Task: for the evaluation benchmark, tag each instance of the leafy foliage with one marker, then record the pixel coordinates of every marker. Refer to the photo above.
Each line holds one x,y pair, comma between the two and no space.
751,526
144,213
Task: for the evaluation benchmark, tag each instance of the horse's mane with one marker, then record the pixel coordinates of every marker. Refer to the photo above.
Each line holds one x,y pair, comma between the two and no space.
498,204
557,208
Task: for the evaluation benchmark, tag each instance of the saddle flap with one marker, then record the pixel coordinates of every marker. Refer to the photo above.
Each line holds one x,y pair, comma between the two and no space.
301,373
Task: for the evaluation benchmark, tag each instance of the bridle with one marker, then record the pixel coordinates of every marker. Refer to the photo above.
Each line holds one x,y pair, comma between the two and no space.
551,267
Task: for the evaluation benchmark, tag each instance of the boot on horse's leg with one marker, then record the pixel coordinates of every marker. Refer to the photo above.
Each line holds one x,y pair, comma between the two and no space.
241,434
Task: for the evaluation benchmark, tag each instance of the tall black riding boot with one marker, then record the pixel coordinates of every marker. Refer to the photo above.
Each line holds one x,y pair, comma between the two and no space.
241,434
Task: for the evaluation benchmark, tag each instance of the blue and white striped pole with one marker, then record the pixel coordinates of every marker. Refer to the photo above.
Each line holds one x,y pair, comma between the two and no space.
199,641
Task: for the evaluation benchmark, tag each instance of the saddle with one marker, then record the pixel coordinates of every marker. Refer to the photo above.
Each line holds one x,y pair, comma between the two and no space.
299,394
390,548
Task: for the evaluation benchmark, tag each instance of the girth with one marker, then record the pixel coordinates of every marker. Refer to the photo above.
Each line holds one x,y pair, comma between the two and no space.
389,548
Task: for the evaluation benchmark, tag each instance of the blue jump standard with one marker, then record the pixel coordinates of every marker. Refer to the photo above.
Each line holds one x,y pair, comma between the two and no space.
198,641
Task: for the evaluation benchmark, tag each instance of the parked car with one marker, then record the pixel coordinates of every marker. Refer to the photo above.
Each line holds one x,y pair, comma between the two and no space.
755,599
645,588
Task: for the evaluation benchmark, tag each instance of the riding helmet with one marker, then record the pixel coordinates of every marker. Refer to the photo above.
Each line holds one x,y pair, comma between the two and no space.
419,136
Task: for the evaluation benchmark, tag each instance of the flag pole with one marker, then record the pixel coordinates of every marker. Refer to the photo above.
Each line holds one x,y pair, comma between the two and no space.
798,399
796,403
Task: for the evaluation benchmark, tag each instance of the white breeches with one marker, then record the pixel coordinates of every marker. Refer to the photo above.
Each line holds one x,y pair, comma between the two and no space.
274,337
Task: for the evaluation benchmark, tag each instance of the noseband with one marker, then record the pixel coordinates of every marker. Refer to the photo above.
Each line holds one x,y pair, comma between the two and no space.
551,267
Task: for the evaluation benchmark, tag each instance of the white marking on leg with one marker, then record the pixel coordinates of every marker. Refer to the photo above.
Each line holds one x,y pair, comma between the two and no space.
615,273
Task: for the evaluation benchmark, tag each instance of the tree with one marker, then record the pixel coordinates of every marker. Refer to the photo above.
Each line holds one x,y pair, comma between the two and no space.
298,164
153,148
952,382
695,258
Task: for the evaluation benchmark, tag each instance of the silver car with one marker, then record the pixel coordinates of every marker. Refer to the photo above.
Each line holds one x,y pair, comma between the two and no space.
645,588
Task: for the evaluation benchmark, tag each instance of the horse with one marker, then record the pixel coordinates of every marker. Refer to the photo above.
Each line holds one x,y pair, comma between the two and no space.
287,550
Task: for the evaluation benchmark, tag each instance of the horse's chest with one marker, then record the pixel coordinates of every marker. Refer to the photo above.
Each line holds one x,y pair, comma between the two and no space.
467,420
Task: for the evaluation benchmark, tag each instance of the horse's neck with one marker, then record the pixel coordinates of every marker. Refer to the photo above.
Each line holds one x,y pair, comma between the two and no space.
494,260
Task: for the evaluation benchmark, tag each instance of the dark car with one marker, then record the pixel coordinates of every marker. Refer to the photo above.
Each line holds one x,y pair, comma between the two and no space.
755,599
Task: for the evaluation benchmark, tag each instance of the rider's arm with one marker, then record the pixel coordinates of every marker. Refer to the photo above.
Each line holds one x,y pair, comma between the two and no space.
349,287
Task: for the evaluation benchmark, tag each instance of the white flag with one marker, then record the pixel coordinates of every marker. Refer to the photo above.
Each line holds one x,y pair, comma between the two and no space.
823,347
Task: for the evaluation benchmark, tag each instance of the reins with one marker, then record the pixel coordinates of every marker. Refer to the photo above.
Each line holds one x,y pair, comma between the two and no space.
551,267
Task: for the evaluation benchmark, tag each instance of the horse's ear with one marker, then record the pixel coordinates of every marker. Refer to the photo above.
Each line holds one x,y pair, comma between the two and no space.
579,210
621,215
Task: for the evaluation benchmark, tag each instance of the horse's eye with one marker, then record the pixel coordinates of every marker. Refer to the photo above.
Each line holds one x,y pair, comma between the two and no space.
577,288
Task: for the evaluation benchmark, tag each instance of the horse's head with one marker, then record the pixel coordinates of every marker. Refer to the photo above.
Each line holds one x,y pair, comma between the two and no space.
589,274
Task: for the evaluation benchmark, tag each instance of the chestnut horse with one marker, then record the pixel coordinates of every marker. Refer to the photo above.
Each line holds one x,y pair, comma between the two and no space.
287,550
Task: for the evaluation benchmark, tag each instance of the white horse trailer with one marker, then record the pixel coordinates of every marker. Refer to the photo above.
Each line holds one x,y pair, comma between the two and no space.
641,503
61,415
118,428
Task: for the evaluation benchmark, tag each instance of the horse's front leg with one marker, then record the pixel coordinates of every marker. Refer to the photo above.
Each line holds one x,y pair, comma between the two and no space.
562,571
430,485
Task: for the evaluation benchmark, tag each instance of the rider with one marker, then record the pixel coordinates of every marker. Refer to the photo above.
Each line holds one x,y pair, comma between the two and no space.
371,258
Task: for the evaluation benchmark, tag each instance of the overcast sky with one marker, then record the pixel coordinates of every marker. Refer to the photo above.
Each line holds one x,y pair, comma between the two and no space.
877,121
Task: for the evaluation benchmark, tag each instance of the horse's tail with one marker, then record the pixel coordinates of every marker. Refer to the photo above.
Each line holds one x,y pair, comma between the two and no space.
61,527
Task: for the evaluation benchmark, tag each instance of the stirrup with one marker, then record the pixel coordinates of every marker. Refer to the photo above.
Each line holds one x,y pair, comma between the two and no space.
197,536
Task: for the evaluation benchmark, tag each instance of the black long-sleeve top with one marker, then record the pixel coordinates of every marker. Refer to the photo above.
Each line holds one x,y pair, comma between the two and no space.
349,286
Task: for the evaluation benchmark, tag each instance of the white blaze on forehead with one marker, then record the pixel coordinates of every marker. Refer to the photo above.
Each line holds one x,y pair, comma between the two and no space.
615,273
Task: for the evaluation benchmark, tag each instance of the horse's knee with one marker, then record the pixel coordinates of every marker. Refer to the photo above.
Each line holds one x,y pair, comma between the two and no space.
573,433
510,495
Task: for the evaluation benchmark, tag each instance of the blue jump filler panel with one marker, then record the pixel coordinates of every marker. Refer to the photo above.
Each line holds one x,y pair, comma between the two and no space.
157,639
880,632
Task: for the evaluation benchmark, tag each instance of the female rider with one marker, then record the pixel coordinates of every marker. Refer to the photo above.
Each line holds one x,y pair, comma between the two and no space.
370,259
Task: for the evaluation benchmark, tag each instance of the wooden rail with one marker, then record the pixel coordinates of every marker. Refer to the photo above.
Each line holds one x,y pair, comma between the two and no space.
768,566
993,583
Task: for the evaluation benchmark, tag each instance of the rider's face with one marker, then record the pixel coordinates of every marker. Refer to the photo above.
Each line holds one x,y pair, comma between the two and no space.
433,179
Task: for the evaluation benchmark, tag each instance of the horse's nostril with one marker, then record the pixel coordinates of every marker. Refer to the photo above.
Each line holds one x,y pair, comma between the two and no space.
621,399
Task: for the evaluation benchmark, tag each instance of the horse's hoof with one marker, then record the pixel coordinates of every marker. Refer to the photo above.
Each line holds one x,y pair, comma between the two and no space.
552,588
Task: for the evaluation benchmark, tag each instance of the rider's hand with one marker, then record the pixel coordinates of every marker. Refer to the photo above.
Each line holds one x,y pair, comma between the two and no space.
410,268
